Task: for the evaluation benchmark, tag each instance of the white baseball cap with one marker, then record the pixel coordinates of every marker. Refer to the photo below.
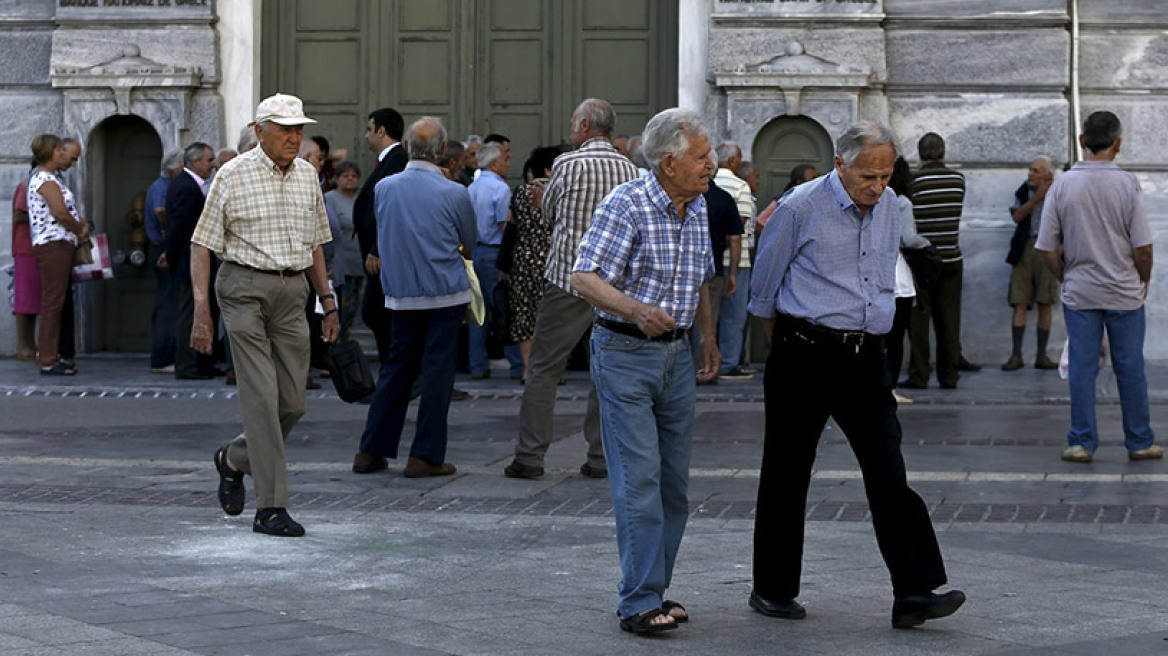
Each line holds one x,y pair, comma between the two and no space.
281,109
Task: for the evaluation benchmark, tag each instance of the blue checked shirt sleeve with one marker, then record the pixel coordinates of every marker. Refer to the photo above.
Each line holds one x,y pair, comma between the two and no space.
608,243
776,249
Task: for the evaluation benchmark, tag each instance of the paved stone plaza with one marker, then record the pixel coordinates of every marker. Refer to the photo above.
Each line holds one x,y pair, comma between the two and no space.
113,542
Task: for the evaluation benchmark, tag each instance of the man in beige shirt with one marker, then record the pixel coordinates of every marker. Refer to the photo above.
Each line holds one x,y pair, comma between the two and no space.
265,218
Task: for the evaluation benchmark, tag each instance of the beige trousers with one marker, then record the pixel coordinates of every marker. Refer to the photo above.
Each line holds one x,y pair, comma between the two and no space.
264,315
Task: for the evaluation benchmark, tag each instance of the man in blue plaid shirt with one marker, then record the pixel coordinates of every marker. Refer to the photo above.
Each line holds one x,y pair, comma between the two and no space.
645,263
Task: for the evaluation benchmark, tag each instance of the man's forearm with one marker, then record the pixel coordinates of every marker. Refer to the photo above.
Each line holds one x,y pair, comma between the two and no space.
1054,263
705,318
1143,258
604,296
200,272
318,274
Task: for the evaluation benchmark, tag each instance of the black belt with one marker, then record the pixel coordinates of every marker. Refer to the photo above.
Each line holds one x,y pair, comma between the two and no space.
632,331
483,243
283,273
815,333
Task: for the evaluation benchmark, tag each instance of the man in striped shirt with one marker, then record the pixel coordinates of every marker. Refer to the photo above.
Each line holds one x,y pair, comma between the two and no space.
731,320
579,181
938,194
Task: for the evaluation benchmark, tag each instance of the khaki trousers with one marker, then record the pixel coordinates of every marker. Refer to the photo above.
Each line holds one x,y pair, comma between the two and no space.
562,320
264,315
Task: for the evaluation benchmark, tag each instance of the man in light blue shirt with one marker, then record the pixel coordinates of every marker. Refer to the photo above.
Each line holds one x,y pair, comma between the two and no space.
824,284
491,198
422,221
163,316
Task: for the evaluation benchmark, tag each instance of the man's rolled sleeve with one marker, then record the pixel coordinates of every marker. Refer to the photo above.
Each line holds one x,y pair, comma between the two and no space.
776,249
608,243
209,231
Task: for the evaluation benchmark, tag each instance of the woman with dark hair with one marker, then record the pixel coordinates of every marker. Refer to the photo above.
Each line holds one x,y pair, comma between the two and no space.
56,232
26,279
800,174
532,238
905,288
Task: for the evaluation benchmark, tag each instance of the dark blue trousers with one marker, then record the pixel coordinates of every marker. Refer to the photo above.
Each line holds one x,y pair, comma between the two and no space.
425,343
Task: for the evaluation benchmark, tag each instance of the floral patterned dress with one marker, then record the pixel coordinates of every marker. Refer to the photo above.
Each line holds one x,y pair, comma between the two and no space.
533,236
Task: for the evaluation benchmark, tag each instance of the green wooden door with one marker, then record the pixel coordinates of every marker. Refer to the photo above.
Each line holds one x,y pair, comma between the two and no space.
516,67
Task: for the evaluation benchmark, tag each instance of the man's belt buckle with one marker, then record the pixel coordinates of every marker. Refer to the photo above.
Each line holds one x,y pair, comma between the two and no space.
855,340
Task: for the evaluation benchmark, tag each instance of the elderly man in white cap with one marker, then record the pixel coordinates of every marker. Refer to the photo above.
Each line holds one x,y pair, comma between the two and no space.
265,219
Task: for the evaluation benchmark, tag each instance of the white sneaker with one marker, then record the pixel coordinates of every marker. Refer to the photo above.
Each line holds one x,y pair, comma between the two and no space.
900,399
168,369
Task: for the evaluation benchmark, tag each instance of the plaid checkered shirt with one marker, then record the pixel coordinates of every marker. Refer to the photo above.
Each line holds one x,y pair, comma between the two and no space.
637,244
261,217
579,180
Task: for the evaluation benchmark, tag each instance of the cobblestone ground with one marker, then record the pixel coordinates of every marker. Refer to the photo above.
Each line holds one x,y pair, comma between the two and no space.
112,540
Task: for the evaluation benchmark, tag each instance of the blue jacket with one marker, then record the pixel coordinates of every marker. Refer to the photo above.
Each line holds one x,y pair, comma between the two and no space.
422,218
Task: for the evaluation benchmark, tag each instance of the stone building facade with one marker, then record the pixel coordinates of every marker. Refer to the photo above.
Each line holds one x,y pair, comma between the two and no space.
1001,80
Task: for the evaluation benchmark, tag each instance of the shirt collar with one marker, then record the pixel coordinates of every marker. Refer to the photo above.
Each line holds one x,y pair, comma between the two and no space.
840,194
660,199
385,151
598,142
423,165
194,175
487,172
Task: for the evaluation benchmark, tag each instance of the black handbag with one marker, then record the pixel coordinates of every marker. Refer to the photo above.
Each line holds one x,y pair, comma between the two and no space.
350,372
925,264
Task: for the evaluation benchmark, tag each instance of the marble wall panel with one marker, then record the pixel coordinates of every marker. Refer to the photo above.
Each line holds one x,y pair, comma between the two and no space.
28,9
946,57
24,56
1124,59
27,114
180,45
983,128
1145,141
983,9
1140,12
206,122
855,47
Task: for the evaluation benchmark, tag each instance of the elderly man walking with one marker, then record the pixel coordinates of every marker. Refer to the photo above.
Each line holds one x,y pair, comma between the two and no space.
645,263
265,219
823,285
423,220
1094,214
579,180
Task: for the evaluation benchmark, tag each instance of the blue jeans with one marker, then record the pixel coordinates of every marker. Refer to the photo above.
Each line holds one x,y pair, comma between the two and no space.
1125,332
646,394
732,322
485,268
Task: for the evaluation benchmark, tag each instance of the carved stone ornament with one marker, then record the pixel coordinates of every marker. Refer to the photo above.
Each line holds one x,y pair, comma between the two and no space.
790,73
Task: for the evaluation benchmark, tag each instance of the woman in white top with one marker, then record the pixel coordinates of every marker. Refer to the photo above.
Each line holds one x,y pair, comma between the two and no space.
56,231
905,288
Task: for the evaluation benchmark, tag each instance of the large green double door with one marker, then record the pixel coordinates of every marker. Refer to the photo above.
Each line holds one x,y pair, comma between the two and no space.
516,67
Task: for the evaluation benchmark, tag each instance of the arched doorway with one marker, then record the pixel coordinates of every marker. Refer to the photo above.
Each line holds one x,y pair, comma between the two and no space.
783,144
124,154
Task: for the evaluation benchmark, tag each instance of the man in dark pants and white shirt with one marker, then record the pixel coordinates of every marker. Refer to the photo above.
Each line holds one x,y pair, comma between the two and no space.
823,284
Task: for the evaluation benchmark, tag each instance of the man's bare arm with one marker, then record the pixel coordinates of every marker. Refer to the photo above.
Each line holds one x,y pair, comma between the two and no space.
1054,263
1143,256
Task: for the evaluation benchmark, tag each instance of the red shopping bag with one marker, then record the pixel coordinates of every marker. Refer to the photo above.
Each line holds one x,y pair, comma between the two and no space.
102,267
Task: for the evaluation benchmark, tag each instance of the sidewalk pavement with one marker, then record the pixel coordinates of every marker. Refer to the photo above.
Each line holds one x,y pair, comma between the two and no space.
113,542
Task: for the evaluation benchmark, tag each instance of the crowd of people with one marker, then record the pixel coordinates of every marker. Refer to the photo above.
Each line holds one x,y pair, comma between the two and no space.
648,246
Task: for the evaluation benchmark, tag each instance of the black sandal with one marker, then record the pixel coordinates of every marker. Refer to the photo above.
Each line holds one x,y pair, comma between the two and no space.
642,622
230,484
277,522
668,607
59,369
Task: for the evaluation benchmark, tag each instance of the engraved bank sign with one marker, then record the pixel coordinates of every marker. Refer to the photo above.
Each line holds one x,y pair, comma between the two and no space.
798,8
132,9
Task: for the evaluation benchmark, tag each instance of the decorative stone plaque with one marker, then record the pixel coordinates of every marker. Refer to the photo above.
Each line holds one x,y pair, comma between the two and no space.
798,8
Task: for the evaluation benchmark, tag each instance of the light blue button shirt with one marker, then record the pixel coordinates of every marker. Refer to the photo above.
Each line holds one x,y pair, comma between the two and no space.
491,198
819,261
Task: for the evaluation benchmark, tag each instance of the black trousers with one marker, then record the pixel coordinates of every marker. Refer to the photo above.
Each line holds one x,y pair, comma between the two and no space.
187,361
376,316
894,340
806,382
942,306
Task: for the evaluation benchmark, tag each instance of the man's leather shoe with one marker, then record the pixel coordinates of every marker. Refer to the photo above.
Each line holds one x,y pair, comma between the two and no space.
909,383
519,470
966,365
366,463
1043,362
418,468
593,472
1013,364
788,610
192,377
914,610
459,395
230,377
1154,452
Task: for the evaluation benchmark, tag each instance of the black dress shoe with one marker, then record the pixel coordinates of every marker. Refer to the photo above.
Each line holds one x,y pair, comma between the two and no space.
909,383
914,610
192,377
788,610
593,472
966,365
230,484
519,470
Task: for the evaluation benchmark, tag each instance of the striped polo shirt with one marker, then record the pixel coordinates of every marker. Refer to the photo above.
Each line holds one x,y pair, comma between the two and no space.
937,195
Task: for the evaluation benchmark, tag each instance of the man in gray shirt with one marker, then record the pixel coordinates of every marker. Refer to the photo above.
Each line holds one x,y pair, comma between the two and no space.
1095,212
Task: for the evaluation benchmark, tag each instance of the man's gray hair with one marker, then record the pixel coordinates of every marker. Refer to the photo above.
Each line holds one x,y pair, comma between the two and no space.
746,168
472,139
726,151
194,152
864,134
426,144
600,114
247,139
487,155
172,161
1045,161
669,132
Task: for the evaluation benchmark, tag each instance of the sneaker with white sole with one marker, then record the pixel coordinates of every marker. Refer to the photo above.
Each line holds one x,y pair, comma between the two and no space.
900,399
1154,452
738,373
1077,453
